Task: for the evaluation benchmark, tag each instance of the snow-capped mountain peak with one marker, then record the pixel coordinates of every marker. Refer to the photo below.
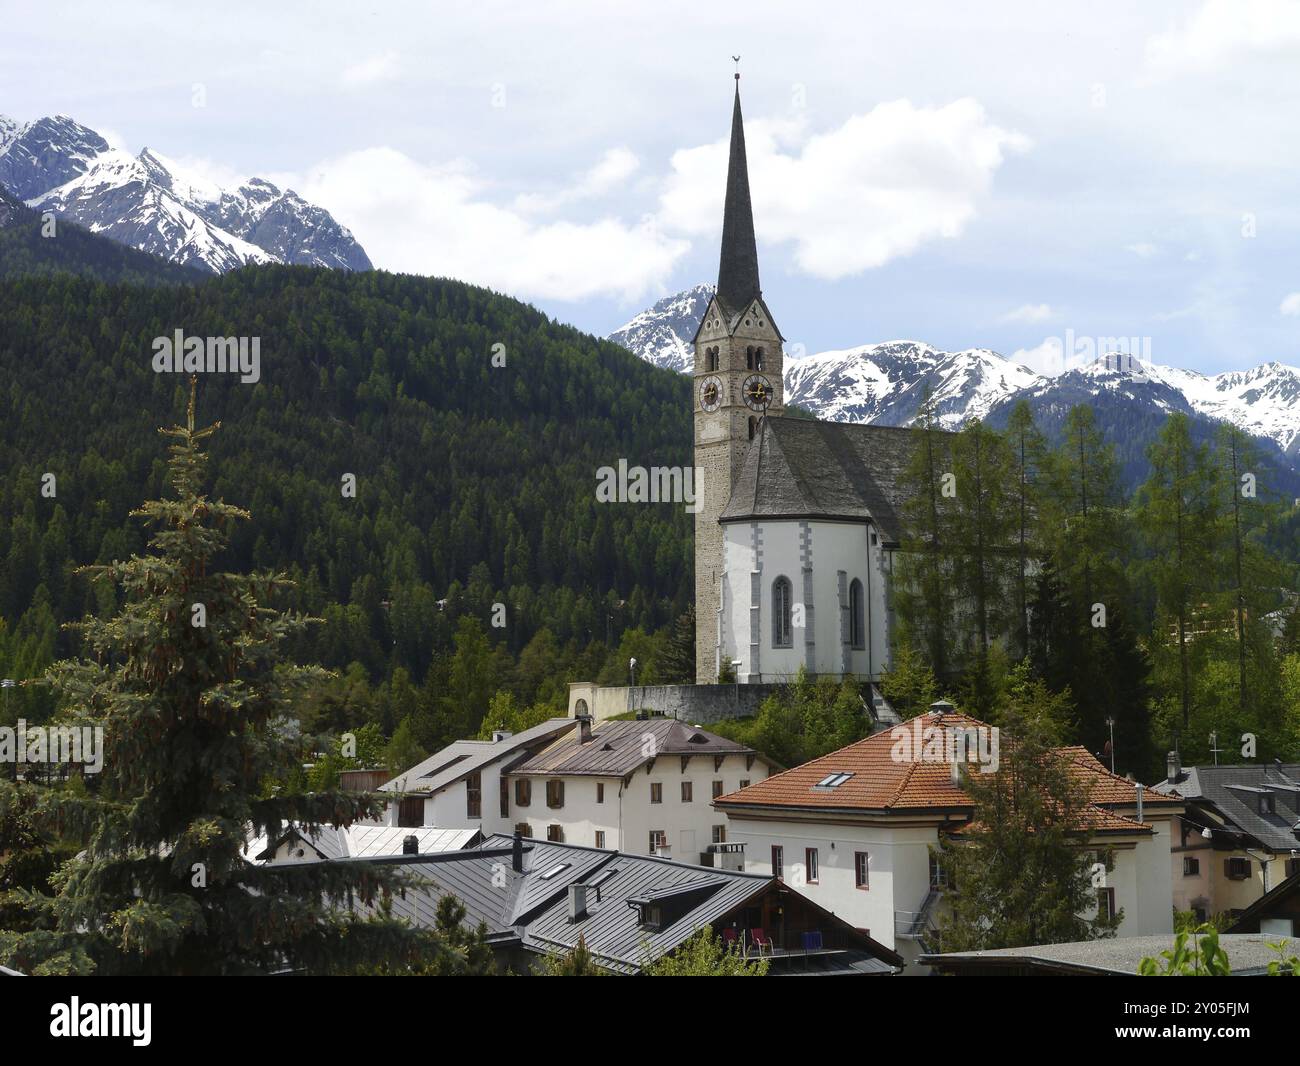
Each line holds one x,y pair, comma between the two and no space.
662,334
887,382
158,205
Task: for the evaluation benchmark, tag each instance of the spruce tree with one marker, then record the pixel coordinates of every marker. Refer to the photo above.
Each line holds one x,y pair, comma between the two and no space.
187,682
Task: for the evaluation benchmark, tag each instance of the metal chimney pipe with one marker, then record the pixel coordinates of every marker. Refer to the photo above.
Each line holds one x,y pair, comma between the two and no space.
517,853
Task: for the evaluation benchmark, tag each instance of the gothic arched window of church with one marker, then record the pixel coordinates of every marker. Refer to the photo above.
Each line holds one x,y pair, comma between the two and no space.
857,616
712,356
758,358
749,358
781,601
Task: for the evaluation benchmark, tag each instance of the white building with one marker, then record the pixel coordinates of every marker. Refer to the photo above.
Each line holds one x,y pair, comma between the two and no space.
856,832
461,786
635,786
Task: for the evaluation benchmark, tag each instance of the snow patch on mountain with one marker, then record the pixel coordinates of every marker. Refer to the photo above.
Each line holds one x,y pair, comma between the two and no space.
886,383
155,204
662,334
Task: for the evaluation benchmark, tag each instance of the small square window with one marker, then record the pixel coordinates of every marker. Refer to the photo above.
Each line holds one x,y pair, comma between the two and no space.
1191,866
719,834
523,792
555,833
717,789
600,838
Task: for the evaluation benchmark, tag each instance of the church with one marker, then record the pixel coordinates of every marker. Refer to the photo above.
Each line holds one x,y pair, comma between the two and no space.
797,520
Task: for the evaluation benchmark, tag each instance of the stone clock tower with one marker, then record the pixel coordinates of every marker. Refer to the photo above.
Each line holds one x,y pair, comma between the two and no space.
737,384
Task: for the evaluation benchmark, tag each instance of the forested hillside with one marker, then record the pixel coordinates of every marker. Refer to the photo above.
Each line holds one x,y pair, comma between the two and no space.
475,482
28,248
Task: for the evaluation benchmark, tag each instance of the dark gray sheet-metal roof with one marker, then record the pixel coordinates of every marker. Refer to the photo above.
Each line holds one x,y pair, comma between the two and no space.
1234,791
611,928
464,757
534,909
803,468
618,748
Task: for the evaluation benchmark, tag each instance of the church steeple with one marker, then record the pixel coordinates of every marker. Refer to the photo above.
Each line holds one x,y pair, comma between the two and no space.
738,264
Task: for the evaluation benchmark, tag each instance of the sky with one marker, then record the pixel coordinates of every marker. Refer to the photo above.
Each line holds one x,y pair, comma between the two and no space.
1014,176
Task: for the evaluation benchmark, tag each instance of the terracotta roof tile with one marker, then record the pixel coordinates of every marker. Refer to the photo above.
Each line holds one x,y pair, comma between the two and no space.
884,777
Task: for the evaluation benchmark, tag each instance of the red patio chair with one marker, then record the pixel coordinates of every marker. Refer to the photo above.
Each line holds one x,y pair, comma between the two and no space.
761,941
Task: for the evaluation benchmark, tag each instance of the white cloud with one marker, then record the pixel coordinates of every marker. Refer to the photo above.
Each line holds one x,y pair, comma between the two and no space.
1142,250
435,220
1222,32
876,188
1029,313
1047,358
1291,304
378,68
615,167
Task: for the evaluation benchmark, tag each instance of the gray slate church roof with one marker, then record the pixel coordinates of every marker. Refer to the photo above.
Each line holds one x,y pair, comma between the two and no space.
802,468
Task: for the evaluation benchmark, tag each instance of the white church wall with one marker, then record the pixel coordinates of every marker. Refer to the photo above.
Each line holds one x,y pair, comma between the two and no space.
756,554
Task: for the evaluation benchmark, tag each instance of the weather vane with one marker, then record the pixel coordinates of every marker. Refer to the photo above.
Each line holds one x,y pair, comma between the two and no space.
736,60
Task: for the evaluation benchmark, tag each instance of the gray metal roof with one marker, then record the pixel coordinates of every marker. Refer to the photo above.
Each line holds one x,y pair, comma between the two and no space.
463,757
617,748
1248,954
535,911
1233,791
803,468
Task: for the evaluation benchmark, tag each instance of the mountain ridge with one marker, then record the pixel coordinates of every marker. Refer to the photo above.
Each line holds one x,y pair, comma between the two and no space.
149,202
885,382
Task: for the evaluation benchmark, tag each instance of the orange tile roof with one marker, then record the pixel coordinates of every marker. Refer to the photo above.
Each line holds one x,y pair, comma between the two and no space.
885,779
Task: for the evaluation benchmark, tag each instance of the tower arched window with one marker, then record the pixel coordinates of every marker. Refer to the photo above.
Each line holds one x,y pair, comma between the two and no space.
782,597
712,354
749,358
857,616
758,358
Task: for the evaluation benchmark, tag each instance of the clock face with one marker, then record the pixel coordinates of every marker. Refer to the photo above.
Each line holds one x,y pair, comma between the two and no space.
710,394
757,392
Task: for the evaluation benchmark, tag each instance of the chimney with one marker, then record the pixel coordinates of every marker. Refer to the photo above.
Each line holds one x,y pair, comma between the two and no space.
410,844
1173,767
498,735
577,902
1141,789
517,853
942,707
584,728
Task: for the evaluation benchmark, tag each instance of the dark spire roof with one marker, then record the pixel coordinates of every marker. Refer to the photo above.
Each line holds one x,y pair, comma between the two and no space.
738,265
